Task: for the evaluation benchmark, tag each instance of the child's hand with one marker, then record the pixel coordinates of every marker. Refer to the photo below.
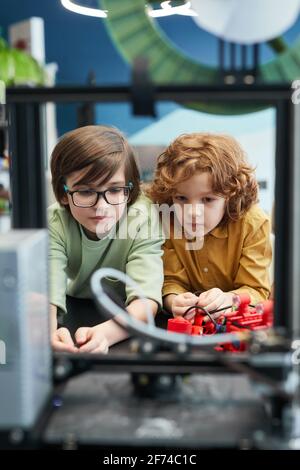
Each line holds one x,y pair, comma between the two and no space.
91,340
214,299
182,302
61,341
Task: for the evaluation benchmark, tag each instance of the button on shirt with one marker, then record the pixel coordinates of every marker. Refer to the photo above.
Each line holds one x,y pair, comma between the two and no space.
234,258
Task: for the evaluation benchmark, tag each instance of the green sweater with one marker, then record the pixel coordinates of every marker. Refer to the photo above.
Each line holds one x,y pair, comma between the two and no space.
135,250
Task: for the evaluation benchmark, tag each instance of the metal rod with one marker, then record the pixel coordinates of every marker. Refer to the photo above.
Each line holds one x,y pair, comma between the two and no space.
232,55
221,55
243,57
27,150
266,94
256,51
284,215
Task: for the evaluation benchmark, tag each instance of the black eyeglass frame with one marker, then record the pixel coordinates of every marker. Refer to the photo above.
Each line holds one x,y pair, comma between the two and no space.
129,187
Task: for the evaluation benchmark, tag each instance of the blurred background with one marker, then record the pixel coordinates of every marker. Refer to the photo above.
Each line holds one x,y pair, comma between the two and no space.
72,48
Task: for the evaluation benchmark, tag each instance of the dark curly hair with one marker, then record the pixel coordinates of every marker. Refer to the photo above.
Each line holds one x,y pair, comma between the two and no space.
221,156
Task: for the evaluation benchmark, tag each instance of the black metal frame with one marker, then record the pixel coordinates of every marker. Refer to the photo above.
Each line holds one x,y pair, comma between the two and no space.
29,202
239,71
26,140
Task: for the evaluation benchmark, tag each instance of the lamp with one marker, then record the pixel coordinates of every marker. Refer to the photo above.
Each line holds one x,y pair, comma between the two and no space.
75,8
166,9
246,21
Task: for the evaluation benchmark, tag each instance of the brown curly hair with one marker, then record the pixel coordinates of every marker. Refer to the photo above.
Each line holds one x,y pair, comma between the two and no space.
221,156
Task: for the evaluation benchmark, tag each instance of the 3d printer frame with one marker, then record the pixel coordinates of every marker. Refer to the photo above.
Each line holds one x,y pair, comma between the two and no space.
27,149
28,161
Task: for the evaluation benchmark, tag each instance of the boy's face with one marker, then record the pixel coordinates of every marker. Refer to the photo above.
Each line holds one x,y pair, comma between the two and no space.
197,208
98,220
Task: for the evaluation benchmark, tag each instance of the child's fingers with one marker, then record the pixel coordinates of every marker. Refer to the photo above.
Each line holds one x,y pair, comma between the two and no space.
58,346
210,296
187,300
180,311
182,302
203,296
95,344
216,304
90,346
63,337
215,316
82,335
102,349
189,295
190,315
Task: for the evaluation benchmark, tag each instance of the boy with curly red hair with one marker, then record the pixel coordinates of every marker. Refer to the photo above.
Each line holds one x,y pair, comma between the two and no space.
213,190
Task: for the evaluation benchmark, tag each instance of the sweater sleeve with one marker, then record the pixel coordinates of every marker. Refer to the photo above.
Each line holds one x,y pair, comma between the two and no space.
144,262
57,262
253,273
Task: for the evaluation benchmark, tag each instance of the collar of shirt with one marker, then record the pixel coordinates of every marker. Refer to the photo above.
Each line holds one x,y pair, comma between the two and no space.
220,232
88,241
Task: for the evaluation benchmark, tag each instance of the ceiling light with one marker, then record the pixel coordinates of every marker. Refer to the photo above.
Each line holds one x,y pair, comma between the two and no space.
75,8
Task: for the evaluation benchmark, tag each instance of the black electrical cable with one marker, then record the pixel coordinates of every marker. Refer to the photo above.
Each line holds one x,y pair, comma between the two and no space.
203,310
238,325
209,314
211,311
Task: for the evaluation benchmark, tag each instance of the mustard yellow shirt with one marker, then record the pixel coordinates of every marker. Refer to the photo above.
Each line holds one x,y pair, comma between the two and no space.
234,258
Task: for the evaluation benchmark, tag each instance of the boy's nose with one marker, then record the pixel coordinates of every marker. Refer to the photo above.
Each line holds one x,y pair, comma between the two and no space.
196,211
101,202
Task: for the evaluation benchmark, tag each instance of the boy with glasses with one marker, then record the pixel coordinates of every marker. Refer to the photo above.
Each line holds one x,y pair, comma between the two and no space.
101,219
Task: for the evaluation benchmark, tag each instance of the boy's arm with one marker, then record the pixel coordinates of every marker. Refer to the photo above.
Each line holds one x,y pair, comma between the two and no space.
168,301
144,261
60,338
58,261
253,274
53,318
114,333
144,266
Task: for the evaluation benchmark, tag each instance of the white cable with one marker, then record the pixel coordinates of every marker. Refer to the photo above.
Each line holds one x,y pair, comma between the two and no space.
112,310
114,273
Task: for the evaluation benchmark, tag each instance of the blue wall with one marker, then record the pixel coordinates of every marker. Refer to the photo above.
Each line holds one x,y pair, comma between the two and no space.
80,44
77,43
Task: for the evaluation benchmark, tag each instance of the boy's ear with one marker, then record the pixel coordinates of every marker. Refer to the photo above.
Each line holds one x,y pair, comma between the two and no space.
64,200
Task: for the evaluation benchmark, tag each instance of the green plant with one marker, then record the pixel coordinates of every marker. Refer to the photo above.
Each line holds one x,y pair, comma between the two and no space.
17,67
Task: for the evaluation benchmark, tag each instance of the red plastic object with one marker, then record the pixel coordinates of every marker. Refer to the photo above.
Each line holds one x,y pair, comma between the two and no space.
180,325
197,330
198,319
268,317
242,301
209,328
242,319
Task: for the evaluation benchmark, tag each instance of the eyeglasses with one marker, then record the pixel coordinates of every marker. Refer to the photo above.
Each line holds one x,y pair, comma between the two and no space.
89,197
